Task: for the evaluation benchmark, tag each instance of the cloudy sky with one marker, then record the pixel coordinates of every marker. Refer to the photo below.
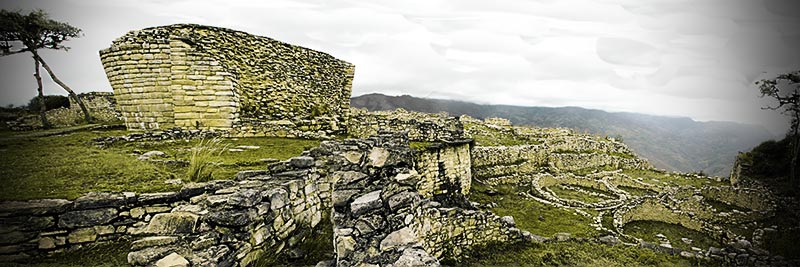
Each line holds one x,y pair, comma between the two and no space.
694,58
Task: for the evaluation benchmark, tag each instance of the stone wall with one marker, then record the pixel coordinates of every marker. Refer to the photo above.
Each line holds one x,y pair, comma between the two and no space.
194,76
37,227
419,126
445,169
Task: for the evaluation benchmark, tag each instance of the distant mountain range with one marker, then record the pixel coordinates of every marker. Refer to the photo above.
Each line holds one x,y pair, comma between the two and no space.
672,143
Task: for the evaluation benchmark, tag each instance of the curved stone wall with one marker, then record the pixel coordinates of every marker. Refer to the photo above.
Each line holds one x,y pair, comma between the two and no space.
195,76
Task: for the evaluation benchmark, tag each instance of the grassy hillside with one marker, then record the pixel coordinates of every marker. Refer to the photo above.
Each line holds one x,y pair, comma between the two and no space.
679,144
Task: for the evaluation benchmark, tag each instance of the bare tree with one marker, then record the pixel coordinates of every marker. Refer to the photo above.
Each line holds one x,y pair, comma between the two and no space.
785,88
28,33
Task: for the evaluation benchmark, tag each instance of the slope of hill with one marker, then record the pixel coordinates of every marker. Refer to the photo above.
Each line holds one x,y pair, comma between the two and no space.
672,143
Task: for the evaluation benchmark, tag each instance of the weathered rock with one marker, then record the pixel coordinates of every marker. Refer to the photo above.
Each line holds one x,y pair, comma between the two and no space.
83,218
95,200
378,156
561,237
46,243
172,223
508,220
82,235
402,199
341,197
399,238
367,202
172,260
302,162
246,198
344,246
231,217
349,177
609,240
33,207
147,255
415,258
152,155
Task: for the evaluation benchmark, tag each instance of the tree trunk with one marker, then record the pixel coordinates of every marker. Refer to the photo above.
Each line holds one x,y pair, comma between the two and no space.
72,94
793,170
42,107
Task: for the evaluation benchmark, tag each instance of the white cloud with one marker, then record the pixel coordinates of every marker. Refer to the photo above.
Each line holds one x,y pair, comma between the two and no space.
672,57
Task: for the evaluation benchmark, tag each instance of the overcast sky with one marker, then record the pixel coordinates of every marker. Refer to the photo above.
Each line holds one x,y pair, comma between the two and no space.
694,58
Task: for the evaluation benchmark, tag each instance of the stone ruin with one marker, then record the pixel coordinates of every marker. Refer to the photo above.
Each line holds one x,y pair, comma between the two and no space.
201,77
389,203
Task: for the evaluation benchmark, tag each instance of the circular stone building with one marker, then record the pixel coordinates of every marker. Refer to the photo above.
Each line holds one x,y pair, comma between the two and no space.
202,77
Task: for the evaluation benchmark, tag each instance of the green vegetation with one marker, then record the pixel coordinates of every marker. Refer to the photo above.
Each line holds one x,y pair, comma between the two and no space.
109,254
200,166
68,165
662,178
573,254
579,196
636,191
532,216
647,230
415,145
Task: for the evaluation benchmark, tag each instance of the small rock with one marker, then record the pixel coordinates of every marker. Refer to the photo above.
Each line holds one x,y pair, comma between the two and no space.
397,239
248,147
302,162
686,240
687,254
172,260
367,202
235,150
152,154
172,223
174,181
508,220
609,240
561,237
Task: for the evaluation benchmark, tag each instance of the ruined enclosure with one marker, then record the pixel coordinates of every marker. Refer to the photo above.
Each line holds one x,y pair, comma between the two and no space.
201,77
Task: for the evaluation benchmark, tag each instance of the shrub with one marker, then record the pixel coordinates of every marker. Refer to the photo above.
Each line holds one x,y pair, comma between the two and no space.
50,101
201,167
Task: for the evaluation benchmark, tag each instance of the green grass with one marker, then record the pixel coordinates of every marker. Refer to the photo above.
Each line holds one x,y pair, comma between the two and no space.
573,254
526,212
647,230
579,196
67,166
636,191
671,179
109,254
201,168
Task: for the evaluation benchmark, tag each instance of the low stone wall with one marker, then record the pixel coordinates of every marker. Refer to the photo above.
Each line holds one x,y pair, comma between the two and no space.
445,169
498,161
453,233
419,126
37,227
261,215
560,162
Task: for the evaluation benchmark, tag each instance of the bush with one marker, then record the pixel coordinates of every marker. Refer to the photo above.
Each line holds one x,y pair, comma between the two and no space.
50,101
201,168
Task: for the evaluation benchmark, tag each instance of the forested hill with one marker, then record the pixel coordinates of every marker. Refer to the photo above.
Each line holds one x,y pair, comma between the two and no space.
673,143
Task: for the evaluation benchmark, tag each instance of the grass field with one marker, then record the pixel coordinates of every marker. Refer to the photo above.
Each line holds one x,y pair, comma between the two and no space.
68,165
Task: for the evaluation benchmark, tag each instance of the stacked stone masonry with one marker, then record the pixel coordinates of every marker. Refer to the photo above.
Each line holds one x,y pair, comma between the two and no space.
203,77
